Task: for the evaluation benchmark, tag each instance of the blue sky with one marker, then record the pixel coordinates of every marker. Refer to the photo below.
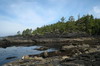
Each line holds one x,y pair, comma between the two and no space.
17,15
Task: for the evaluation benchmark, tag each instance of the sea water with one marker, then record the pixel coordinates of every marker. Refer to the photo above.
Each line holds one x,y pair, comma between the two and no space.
17,52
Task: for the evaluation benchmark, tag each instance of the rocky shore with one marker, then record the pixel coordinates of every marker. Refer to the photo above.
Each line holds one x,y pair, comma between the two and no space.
79,51
15,41
91,59
20,40
81,55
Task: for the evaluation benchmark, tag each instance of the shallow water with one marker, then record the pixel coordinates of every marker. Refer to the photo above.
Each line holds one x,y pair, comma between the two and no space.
18,52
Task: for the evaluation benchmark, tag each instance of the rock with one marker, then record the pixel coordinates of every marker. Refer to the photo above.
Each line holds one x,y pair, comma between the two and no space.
97,63
89,59
42,48
57,52
65,57
45,54
35,58
86,52
66,47
70,64
74,53
11,57
38,58
25,57
92,50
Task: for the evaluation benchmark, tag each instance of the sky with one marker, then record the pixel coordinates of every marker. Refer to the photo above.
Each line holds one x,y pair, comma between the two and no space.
17,15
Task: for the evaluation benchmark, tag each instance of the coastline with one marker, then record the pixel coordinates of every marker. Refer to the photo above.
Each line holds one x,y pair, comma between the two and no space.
68,49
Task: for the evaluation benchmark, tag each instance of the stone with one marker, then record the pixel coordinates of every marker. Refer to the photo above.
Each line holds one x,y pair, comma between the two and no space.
42,48
45,54
38,58
68,47
11,57
65,57
25,57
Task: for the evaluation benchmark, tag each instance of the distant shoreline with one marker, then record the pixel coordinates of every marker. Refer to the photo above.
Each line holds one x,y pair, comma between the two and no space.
20,40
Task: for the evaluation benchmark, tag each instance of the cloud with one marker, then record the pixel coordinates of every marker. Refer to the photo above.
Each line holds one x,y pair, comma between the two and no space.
22,15
30,14
96,11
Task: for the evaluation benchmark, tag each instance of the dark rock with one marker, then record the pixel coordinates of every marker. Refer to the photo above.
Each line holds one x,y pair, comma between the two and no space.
22,65
42,48
11,57
97,63
15,41
45,54
69,59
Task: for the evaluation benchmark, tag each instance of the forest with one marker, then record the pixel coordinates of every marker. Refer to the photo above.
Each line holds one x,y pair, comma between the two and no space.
85,24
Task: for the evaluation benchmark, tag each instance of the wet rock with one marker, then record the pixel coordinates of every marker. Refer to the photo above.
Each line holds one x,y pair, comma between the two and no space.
68,59
11,57
89,59
45,54
97,63
22,65
42,48
70,64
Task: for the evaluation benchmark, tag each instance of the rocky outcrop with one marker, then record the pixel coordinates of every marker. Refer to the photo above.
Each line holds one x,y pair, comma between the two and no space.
15,41
90,59
49,42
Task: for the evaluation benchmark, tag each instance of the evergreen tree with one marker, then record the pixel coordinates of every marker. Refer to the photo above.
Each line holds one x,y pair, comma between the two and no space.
63,19
86,24
27,32
18,33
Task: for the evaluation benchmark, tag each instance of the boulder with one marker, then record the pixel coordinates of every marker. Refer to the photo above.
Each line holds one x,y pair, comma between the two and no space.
25,57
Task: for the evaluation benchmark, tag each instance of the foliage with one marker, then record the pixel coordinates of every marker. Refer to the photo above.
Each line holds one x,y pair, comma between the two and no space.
18,33
27,32
86,23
